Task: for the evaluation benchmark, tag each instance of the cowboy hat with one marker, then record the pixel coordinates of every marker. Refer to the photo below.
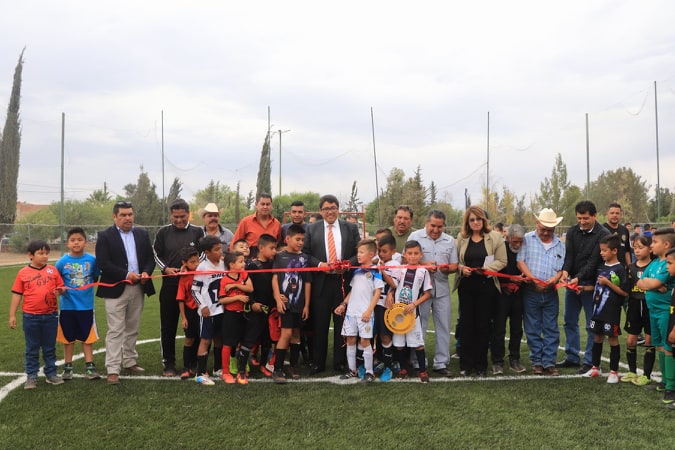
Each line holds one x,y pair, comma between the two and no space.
209,208
547,218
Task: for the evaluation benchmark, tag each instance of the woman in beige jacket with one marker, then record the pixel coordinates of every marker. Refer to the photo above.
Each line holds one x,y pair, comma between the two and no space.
479,248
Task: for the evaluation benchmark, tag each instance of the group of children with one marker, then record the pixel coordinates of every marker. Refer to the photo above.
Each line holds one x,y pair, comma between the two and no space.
646,289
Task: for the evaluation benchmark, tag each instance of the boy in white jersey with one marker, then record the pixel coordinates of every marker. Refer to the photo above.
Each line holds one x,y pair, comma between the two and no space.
386,250
414,288
359,305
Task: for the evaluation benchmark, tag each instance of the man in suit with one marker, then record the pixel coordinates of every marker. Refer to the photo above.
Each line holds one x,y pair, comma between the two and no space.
124,254
328,289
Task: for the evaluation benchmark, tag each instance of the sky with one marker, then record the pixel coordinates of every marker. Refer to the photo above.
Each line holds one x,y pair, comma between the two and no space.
430,72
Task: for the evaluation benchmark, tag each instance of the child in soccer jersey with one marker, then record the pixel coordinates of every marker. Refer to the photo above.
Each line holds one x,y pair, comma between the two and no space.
637,316
37,285
256,332
358,308
386,250
658,283
414,288
76,318
291,292
242,247
670,265
188,311
610,291
205,289
234,287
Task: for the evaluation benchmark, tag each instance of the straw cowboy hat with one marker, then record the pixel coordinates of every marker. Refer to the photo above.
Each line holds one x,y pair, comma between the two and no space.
547,218
209,208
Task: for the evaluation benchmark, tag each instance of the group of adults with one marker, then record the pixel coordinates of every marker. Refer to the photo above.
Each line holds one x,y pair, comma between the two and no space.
486,301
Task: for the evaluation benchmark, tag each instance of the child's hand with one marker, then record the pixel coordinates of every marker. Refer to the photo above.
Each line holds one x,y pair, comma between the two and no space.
671,336
206,312
243,298
184,324
12,322
59,290
389,301
365,317
603,281
305,313
341,309
281,306
409,308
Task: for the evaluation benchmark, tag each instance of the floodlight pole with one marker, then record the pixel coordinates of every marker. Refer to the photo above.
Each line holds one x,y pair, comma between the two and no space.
658,170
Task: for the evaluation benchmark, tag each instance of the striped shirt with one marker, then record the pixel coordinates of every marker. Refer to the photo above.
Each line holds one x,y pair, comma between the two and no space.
543,263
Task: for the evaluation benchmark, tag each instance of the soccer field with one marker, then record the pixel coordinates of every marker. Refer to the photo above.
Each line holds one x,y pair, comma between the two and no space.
521,411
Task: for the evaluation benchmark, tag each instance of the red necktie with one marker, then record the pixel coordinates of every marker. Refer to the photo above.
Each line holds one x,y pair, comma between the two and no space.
332,253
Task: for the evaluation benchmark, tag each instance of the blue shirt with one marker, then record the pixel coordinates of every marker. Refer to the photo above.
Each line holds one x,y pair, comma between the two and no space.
543,263
78,271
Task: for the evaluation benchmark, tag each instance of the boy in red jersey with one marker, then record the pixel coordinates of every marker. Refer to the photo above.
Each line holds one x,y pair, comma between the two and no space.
188,311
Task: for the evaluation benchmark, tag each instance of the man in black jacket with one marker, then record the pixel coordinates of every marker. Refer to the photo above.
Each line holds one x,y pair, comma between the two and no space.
124,254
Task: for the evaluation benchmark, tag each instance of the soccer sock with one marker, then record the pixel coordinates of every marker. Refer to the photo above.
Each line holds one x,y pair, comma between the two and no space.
614,352
662,366
279,356
650,357
218,358
351,357
242,359
421,359
387,355
402,357
201,364
225,353
597,353
359,356
368,359
264,354
669,375
631,357
295,354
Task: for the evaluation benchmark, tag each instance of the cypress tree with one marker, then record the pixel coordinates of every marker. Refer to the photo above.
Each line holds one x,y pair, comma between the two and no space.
264,180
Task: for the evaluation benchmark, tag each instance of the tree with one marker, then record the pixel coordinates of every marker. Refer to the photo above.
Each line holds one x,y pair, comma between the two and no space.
174,191
282,203
264,180
10,146
353,202
624,187
415,196
224,197
100,196
558,193
147,204
433,194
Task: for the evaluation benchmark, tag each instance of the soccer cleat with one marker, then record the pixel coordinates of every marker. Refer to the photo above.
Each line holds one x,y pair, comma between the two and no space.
31,383
54,379
629,377
349,375
386,374
379,368
187,374
279,377
424,377
228,378
254,361
218,373
265,371
204,379
270,367
368,378
67,374
402,374
668,397
613,377
91,373
593,372
642,380
362,371
242,378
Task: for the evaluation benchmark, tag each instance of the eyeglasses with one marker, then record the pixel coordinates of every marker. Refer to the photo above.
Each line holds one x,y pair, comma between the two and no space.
123,204
475,219
329,209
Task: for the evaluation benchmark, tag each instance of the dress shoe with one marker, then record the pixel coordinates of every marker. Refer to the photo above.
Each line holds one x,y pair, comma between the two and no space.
314,369
538,369
443,371
135,370
566,364
113,378
551,372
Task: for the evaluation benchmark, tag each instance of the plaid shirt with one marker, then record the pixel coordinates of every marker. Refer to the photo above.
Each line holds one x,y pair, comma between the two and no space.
543,263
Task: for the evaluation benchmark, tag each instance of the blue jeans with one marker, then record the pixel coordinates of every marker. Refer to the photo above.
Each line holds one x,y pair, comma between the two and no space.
573,304
540,320
40,332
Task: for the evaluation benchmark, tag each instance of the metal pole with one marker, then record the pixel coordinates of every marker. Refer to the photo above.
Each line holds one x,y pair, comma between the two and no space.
588,163
377,185
658,170
279,162
62,208
164,205
487,179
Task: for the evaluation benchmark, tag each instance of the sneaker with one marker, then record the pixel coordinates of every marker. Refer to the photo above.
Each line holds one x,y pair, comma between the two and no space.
668,397
386,374
218,373
270,367
362,371
349,375
242,378
279,377
254,361
642,380
402,374
593,372
293,372
368,378
169,372
395,367
264,371
424,377
454,356
658,387
379,368
629,377
67,374
497,369
613,377
54,379
228,378
31,383
204,379
91,373
515,366
186,374
583,369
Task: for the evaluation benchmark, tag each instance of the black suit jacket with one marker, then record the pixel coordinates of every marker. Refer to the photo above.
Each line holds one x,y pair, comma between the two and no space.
315,245
112,260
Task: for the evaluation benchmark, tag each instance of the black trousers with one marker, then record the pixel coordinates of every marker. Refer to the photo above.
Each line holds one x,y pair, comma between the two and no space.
477,296
168,318
508,307
321,309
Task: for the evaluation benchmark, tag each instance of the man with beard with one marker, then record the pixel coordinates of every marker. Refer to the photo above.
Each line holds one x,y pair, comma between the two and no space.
210,215
509,306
